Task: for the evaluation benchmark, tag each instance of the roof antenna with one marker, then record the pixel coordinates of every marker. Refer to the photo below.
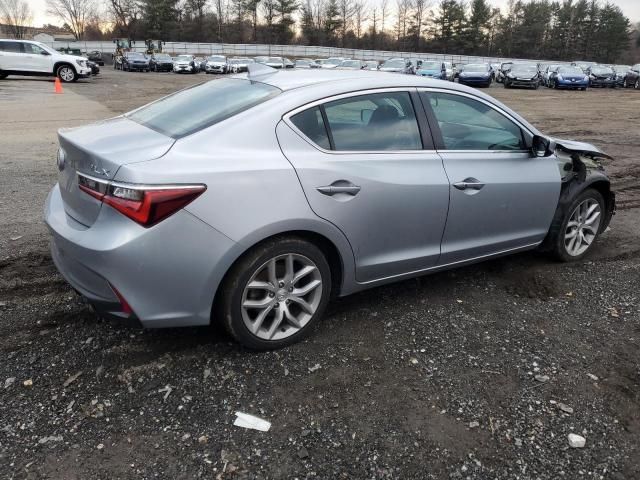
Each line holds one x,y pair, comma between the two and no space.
259,69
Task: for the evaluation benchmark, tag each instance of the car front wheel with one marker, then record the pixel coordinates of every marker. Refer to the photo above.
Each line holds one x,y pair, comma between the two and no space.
66,73
580,227
274,295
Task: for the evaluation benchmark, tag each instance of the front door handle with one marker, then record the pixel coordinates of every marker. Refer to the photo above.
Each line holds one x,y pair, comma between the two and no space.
340,186
469,183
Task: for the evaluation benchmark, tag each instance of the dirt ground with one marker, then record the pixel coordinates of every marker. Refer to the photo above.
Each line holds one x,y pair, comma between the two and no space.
429,378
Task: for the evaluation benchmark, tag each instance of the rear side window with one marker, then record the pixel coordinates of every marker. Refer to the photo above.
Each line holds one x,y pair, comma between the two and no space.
15,47
311,124
379,121
201,106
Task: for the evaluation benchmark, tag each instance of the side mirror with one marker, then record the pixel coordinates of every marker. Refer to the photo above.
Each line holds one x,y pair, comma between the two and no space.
45,53
541,146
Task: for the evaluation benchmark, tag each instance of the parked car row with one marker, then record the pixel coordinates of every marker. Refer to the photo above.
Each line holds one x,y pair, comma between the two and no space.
576,75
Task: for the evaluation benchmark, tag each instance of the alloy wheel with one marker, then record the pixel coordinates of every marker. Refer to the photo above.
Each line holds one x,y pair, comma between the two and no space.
281,297
582,227
66,74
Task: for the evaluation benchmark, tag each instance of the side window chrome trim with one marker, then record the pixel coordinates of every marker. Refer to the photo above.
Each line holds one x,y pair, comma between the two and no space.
481,100
287,120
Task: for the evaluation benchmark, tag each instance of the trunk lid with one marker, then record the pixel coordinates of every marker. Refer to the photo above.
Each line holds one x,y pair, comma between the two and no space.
99,150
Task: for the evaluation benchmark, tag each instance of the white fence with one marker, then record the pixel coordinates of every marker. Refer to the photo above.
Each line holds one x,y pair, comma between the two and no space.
299,51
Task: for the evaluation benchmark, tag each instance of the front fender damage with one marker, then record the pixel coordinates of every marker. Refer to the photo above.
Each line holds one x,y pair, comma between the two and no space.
581,168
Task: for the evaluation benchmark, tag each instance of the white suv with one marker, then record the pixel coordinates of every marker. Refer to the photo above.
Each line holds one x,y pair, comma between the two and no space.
22,57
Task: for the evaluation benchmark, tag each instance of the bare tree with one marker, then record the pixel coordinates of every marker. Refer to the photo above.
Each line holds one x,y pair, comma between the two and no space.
360,16
75,13
347,10
125,13
402,12
16,15
384,9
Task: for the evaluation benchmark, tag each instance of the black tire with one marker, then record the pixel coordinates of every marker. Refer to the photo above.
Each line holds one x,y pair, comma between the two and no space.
3,75
559,226
228,303
66,73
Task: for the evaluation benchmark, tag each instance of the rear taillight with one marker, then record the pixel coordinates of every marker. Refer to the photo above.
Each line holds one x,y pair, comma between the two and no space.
144,204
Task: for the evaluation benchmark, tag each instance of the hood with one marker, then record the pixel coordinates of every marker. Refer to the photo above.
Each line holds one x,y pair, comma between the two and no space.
429,71
582,148
474,74
73,58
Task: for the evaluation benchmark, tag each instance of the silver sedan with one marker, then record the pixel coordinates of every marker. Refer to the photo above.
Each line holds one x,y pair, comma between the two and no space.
252,200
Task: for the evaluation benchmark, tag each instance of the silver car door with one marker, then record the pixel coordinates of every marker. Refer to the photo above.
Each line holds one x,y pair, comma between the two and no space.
372,176
502,198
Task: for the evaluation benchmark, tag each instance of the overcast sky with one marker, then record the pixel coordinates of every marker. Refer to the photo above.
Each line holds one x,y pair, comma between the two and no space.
631,8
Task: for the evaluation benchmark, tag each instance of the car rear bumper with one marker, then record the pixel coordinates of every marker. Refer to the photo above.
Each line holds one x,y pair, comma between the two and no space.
168,274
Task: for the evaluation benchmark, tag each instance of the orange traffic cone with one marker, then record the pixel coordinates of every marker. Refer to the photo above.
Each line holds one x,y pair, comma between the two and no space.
58,86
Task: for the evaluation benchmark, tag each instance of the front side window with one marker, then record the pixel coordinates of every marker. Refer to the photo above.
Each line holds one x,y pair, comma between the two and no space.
32,49
468,124
201,106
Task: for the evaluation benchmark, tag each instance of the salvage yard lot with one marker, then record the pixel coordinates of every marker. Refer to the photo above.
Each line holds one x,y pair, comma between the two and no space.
455,375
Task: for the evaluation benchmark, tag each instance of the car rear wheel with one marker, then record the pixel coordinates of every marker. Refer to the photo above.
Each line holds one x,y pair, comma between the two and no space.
3,75
275,294
66,73
580,227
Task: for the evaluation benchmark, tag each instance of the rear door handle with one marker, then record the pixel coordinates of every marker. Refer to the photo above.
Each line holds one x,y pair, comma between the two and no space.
469,183
339,187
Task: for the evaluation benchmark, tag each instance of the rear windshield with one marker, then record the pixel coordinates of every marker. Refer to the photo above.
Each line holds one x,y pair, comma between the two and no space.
201,106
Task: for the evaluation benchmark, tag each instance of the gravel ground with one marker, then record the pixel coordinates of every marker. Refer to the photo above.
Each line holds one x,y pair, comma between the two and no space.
480,372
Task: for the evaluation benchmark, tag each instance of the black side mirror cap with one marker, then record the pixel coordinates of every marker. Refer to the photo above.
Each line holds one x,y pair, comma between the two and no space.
541,146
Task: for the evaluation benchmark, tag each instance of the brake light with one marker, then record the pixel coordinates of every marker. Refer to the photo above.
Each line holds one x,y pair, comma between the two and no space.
144,204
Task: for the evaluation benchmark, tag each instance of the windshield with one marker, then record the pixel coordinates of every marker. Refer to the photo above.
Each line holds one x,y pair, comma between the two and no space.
334,61
394,64
134,55
184,57
480,67
601,70
350,63
570,71
303,62
622,68
274,60
217,59
163,56
431,66
201,106
527,69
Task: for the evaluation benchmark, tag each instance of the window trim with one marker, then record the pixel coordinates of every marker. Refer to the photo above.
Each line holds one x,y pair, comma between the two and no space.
437,133
358,93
